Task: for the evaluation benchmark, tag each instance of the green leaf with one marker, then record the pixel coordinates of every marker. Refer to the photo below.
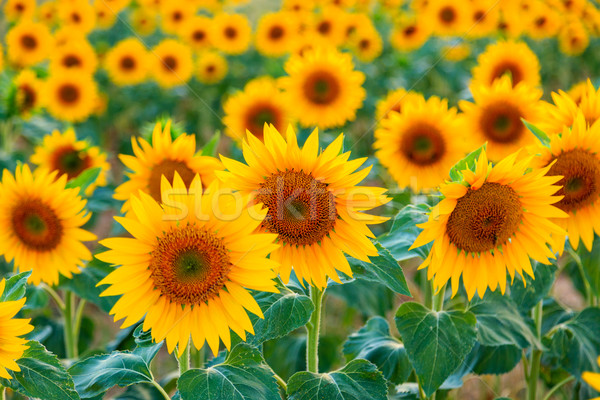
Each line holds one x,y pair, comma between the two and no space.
437,342
496,360
404,231
145,345
499,322
210,148
368,298
15,287
382,269
358,380
41,376
243,375
466,163
141,392
36,298
374,343
85,179
527,295
95,375
541,135
84,284
590,260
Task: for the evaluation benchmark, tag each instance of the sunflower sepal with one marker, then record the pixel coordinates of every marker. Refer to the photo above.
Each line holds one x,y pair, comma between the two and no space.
539,134
456,172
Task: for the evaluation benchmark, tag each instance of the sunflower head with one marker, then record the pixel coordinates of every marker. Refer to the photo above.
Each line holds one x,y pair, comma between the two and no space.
276,33
172,64
127,62
410,34
28,43
231,33
71,96
30,93
211,67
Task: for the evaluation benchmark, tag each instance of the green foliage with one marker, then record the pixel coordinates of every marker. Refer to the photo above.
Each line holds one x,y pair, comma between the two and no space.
527,294
466,163
539,134
85,179
590,263
15,287
210,148
84,284
404,231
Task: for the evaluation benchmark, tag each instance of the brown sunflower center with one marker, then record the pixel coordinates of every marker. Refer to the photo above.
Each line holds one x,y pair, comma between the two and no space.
27,97
20,7
301,209
501,122
71,60
189,265
364,44
210,68
169,63
262,114
37,225
478,15
199,35
324,27
581,182
410,30
423,145
447,15
177,16
321,87
484,218
540,22
276,32
70,161
29,42
68,93
168,169
76,18
508,68
230,32
127,63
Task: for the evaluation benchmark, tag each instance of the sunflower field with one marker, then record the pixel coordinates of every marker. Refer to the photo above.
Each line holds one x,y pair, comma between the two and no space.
300,199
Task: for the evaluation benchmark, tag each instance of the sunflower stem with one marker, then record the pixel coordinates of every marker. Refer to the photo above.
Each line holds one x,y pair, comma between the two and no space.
586,284
77,323
199,357
3,393
160,389
55,296
184,360
312,330
438,299
536,355
281,383
558,386
69,317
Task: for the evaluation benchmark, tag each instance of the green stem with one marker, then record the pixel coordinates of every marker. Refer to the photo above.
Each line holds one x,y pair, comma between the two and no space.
77,323
421,391
586,284
68,314
160,389
536,355
184,360
3,393
59,302
199,357
438,299
281,383
558,386
312,330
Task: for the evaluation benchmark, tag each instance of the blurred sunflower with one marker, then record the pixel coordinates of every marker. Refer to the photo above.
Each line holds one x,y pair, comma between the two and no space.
116,5
420,144
353,22
65,35
573,38
592,379
231,33
511,58
70,96
409,34
483,18
30,93
79,14
495,116
577,91
41,227
28,43
299,6
394,101
127,62
510,28
46,13
211,67
366,44
106,16
175,13
172,63
196,32
329,27
448,17
456,52
11,328
15,10
261,102
544,22
324,87
70,157
276,33
163,157
143,20
489,223
313,203
77,55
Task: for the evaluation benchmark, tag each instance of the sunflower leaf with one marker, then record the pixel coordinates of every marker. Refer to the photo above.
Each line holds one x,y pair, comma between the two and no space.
41,376
210,148
404,231
358,379
590,261
243,375
145,345
527,294
85,179
541,135
466,163
15,287
437,343
84,283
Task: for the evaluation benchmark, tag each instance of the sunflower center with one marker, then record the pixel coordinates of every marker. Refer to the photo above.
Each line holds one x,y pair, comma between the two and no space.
581,182
36,225
76,18
168,169
540,22
68,93
364,44
301,209
170,63
423,145
230,32
177,16
321,87
501,122
447,15
28,97
324,27
260,115
189,265
478,16
70,161
210,68
276,32
199,35
410,30
510,69
484,218
71,61
29,42
19,7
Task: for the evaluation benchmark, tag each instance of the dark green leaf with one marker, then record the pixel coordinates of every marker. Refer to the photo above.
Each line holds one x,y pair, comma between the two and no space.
527,295
41,376
85,179
374,343
404,231
466,163
84,284
541,135
243,376
15,287
437,342
141,392
358,380
36,298
369,298
145,346
590,260
210,148
497,360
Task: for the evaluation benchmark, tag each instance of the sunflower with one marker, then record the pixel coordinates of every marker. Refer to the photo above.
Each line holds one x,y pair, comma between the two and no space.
394,101
231,33
211,67
163,157
127,62
298,6
456,52
28,43
492,221
67,34
544,22
366,44
329,27
261,102
420,144
409,34
79,14
573,38
496,116
174,14
13,346
483,18
172,64
15,10
324,87
592,379
41,228
510,27
511,58
276,33
312,201
116,5
46,13
1,58
355,21
77,55
70,157
71,96
449,17
143,20
196,32
577,91
106,16
30,93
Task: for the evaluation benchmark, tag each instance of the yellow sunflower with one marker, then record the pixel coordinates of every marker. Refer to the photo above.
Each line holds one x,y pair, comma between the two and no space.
355,21
174,14
510,27
15,10
420,144
299,6
394,101
211,67
410,34
187,273
312,200
261,102
30,93
77,55
79,14
106,15
495,116
276,33
456,52
127,62
329,26
67,34
11,328
163,157
366,44
489,223
574,157
483,18
28,43
46,13
71,96
577,91
172,63
69,156
324,87
449,17
573,38
41,227
511,58
143,20
231,33
544,22
196,32
592,379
